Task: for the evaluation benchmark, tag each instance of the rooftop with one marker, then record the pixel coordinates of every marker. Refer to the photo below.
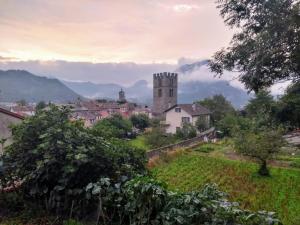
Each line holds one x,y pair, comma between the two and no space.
192,109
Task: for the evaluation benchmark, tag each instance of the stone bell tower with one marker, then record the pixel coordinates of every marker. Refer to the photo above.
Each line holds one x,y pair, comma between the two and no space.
122,97
164,92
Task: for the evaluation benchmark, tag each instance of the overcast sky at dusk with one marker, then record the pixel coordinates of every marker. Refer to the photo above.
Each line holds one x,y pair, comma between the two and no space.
141,31
110,41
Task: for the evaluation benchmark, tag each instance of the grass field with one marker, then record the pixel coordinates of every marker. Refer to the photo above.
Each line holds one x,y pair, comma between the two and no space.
279,193
139,142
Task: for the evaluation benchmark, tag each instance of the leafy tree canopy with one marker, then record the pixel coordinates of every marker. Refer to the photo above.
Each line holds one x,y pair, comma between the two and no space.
260,145
140,121
289,106
113,127
186,132
263,109
266,46
219,107
41,105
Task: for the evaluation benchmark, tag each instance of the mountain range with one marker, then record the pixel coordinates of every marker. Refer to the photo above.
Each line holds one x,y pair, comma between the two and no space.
16,85
20,84
141,92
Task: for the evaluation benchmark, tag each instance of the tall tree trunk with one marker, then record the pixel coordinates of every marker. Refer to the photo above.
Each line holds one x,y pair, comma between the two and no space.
263,170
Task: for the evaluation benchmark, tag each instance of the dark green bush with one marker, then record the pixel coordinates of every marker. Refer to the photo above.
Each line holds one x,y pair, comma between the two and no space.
55,159
206,148
143,200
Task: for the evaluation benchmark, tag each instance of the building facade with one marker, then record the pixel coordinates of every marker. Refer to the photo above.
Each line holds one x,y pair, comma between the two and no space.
122,97
7,119
180,114
164,92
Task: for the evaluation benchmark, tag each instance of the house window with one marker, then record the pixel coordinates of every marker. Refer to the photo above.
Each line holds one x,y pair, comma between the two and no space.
185,119
178,110
159,93
171,93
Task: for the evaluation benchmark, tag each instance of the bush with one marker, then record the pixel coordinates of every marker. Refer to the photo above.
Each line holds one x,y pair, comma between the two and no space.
140,121
71,222
187,131
157,138
206,148
143,200
113,127
55,159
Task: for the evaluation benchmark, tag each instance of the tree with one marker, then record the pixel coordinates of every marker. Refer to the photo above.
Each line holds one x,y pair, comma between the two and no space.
41,105
158,138
186,132
56,158
231,124
289,106
113,127
260,145
202,124
265,49
140,121
262,108
219,107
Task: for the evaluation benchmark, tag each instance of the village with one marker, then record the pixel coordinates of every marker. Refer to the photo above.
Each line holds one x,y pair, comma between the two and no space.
172,116
172,112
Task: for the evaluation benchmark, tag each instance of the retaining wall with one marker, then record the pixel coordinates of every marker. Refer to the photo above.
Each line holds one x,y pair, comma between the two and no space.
210,134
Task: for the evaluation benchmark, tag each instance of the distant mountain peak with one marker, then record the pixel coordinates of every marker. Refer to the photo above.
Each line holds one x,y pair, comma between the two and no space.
21,84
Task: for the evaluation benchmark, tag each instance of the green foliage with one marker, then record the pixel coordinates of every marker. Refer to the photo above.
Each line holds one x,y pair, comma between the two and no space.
158,138
261,146
56,158
202,124
140,121
113,127
289,106
41,105
71,222
219,107
143,200
187,131
265,48
263,109
205,148
231,124
139,142
279,193
154,122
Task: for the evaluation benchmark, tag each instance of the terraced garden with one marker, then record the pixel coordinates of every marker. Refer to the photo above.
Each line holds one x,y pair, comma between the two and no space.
279,193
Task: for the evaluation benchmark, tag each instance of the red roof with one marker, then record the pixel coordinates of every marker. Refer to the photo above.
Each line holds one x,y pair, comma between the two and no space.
11,114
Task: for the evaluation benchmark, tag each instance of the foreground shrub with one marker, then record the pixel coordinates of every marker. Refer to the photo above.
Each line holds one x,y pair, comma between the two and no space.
54,159
145,201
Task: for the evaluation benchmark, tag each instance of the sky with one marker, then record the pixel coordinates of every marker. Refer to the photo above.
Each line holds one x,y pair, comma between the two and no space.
140,31
111,41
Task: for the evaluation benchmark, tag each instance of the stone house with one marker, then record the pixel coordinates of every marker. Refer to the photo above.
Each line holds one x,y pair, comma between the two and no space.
7,118
179,114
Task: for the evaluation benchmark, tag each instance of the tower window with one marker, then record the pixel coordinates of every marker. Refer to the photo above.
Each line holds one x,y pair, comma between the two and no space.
159,93
159,82
171,94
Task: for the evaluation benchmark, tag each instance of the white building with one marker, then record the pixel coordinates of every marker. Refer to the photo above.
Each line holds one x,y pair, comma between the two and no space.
7,118
179,114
